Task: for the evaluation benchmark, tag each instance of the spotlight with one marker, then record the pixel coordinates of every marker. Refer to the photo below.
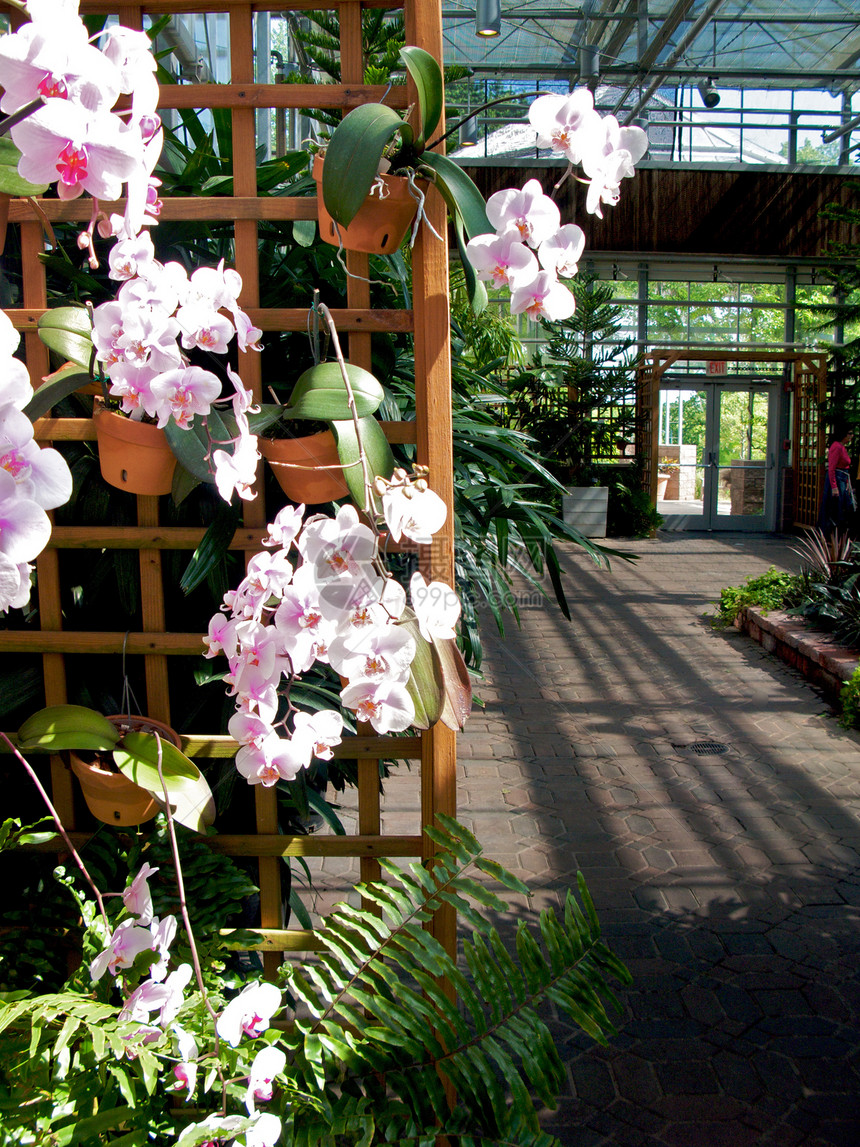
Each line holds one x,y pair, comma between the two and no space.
710,95
589,63
469,132
488,17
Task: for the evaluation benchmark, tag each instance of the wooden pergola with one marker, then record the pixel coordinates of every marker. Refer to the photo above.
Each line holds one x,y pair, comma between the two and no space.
808,381
431,431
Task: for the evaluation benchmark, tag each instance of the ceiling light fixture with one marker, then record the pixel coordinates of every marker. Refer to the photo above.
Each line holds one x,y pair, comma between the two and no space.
469,133
708,92
589,63
488,17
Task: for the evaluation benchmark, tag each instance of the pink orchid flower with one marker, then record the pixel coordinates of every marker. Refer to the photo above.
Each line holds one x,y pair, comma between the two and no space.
526,212
248,1013
545,298
502,260
560,253
137,897
387,706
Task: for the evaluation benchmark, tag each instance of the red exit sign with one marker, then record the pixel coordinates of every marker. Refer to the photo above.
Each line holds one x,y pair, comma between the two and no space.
717,366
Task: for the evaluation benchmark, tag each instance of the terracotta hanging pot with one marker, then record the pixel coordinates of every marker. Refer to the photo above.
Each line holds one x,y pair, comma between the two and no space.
133,456
381,223
111,797
286,455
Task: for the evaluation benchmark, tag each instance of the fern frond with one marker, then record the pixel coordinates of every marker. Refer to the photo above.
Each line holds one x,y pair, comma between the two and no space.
382,976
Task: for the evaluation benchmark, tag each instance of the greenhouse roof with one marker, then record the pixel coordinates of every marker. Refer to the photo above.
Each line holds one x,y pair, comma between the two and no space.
753,44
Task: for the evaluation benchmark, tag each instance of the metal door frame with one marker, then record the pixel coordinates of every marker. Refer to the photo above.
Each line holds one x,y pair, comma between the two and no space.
713,388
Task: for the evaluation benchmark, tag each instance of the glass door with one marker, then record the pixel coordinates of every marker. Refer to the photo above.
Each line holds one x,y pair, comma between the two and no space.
715,456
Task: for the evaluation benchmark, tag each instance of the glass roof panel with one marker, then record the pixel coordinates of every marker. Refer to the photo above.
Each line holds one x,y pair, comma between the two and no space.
742,43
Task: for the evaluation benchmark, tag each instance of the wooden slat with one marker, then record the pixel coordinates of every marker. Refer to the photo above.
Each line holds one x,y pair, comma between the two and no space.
360,747
82,430
217,209
153,616
435,449
251,95
148,537
373,746
38,641
272,940
174,7
285,319
272,846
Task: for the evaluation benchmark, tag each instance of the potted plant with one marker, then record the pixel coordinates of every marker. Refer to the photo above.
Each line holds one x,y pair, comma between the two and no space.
123,764
310,466
376,161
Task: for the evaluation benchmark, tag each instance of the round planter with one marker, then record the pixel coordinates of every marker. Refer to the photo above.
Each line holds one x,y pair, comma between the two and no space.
111,797
381,223
286,455
133,456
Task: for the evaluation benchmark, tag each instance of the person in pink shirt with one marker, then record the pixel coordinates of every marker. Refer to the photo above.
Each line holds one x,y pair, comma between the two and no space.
838,505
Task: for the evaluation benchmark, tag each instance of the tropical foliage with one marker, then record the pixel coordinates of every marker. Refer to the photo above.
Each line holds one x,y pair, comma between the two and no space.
376,1041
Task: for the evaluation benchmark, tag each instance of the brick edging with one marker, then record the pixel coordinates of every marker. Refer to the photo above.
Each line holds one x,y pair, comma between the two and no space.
811,651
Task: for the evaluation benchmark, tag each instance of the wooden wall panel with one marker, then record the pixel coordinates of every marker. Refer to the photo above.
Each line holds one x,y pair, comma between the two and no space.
752,213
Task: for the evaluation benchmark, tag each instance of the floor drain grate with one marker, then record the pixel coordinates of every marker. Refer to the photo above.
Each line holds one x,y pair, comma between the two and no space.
705,748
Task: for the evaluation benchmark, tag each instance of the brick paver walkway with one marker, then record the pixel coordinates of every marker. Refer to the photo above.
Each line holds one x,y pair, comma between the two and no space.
729,884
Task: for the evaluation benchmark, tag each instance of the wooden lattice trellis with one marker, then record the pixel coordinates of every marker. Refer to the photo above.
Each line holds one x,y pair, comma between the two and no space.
429,322
808,381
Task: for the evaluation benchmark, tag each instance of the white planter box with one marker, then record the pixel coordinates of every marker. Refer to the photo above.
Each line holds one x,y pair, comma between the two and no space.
584,508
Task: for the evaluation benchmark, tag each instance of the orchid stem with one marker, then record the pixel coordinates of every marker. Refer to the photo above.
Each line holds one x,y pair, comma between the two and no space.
186,919
21,114
56,817
369,502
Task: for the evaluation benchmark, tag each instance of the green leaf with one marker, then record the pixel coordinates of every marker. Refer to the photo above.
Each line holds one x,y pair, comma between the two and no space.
426,684
457,684
460,193
59,385
380,460
353,157
11,183
427,75
304,232
192,446
136,759
213,546
320,393
68,332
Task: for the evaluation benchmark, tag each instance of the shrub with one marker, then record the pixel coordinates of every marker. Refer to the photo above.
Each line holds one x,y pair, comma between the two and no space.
849,697
774,589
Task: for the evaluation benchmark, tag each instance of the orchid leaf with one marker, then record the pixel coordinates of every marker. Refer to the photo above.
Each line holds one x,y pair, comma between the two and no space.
11,183
63,382
377,452
460,194
136,759
425,686
320,393
68,331
427,76
354,154
213,546
457,685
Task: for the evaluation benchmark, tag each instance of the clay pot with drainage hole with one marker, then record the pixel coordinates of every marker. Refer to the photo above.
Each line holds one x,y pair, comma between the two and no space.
291,460
380,225
123,764
133,456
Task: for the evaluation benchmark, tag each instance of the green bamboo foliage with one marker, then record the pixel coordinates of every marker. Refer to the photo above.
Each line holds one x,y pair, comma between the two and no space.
377,1038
